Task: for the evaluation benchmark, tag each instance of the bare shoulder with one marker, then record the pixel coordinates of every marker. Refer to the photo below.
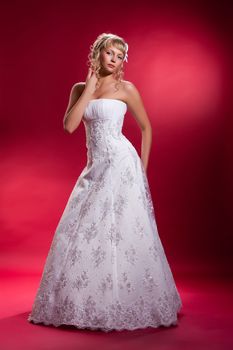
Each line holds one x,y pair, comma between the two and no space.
131,92
78,88
127,84
135,104
75,93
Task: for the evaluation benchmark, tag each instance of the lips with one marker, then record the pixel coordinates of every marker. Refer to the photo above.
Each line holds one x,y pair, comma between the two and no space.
110,65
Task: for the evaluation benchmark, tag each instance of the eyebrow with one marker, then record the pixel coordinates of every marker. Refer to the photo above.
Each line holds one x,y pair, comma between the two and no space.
120,53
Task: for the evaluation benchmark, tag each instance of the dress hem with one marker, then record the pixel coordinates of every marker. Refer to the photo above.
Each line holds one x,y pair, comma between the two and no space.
104,329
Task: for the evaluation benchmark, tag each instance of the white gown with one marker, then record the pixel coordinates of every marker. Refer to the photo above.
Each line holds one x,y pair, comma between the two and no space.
106,268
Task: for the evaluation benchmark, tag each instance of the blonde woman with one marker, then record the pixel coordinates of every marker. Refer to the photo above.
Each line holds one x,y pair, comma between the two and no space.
106,268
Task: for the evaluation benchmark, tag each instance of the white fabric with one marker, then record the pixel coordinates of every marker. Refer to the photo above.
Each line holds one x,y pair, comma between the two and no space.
106,268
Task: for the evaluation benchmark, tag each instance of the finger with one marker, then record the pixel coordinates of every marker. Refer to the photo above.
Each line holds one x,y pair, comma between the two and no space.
89,72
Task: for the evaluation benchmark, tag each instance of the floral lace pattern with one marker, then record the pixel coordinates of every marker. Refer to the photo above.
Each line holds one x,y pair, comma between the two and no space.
106,268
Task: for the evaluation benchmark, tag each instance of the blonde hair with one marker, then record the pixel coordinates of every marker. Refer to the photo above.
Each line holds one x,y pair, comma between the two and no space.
105,40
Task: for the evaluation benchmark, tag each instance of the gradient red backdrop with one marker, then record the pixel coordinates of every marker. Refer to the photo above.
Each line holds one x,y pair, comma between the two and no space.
180,59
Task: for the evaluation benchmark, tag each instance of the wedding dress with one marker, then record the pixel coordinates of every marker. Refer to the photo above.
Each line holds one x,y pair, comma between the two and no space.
106,268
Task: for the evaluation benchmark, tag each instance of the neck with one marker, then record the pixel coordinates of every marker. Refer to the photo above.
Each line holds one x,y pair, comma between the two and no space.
105,77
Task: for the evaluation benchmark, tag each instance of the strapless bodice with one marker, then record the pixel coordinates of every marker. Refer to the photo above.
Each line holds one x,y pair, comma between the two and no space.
103,120
104,108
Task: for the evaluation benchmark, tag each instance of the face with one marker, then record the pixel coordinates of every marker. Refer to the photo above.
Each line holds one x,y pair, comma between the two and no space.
111,58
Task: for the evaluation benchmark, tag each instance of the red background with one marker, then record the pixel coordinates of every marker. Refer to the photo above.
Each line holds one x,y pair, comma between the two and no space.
180,59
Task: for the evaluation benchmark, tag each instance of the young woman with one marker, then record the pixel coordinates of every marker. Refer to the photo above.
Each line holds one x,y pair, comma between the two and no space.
106,268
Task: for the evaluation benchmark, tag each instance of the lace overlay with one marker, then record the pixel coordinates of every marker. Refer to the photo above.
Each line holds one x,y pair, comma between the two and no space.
106,268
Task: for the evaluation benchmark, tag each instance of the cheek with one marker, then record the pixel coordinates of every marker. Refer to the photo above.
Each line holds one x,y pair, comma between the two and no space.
104,56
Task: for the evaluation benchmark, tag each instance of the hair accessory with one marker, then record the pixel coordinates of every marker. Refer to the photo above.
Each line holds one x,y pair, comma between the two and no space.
126,55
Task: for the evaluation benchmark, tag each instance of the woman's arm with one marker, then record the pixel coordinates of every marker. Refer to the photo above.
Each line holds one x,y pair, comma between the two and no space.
78,100
80,95
137,109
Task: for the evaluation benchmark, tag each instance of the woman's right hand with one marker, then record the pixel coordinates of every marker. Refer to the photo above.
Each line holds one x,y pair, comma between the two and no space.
91,81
